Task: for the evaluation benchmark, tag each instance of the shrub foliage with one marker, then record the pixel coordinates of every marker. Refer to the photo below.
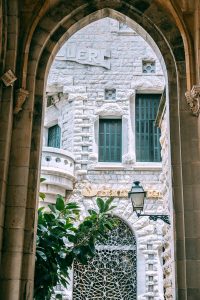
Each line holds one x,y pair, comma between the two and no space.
61,239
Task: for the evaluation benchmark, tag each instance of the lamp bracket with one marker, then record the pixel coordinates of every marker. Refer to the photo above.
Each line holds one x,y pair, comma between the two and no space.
164,218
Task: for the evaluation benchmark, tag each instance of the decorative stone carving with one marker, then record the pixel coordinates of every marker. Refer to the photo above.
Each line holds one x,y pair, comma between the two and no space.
193,98
21,95
110,109
54,98
54,89
8,78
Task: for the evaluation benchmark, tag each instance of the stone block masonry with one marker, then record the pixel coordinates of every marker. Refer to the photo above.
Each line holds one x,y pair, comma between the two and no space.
100,69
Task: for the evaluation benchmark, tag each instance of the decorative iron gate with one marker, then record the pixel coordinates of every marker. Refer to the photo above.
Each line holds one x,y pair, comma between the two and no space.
111,274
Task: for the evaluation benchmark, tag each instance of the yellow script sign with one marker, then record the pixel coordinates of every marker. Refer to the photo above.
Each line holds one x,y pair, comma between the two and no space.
92,192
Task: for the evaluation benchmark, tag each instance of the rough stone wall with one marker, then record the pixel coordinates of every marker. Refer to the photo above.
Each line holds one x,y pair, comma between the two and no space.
85,84
107,55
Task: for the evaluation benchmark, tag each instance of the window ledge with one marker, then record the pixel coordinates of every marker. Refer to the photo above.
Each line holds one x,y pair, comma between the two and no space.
109,166
148,166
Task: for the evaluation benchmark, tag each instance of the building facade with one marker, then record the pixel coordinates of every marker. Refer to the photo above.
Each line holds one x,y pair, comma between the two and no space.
103,96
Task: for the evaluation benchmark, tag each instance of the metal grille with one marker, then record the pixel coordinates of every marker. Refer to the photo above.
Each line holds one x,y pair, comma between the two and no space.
148,66
110,140
147,134
110,94
111,274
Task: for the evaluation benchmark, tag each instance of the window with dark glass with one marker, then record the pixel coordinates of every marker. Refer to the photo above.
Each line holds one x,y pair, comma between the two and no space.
110,140
54,135
147,134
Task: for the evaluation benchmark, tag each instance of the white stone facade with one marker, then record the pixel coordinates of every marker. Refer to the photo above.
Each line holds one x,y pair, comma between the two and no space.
168,235
107,55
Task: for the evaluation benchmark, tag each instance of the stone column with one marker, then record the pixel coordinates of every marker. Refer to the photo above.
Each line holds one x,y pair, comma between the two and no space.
188,246
9,271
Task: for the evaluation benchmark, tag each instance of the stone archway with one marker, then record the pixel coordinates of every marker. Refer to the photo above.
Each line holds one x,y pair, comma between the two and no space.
52,27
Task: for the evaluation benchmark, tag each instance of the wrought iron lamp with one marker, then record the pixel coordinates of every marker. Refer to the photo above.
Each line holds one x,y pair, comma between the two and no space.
137,196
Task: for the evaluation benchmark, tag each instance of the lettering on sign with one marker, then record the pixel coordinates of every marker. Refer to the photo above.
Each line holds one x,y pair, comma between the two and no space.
88,56
92,192
154,194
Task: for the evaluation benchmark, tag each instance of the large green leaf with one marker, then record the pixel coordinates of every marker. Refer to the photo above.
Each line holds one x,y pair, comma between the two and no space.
52,207
92,212
49,217
42,195
107,204
72,238
60,204
42,255
100,204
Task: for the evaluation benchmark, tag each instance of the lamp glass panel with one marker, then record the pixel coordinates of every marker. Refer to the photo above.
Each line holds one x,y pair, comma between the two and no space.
138,200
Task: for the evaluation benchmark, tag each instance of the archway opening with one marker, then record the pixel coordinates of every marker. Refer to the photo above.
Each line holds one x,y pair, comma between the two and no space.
107,110
56,22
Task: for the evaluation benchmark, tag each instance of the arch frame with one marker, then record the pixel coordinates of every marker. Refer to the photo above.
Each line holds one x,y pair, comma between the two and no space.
43,43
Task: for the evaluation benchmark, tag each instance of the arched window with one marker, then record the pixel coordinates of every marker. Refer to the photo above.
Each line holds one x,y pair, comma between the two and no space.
54,134
111,274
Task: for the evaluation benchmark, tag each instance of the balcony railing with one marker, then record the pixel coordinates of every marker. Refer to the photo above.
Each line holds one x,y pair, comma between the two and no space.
57,167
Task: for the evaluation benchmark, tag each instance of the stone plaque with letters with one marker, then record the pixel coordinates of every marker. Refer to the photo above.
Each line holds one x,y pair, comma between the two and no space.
88,56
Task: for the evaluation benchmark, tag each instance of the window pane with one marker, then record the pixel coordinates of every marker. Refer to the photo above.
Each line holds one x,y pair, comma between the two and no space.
147,135
54,133
110,140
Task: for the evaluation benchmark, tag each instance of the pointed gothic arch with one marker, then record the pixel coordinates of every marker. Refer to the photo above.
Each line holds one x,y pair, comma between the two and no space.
55,23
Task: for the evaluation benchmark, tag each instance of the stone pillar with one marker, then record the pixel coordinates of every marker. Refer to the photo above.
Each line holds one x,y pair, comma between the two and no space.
7,269
190,215
15,237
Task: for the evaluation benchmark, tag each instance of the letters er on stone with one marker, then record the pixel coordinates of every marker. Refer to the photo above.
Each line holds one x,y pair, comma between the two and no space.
88,56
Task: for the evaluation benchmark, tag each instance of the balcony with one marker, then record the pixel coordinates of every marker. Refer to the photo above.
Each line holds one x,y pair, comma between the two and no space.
57,167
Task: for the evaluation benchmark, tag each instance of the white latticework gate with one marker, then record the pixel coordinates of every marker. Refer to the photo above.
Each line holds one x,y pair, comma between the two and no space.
111,274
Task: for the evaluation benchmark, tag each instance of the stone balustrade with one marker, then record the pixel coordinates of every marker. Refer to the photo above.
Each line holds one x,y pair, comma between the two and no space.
57,167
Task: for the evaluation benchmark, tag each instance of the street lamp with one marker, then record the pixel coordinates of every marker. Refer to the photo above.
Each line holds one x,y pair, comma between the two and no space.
137,196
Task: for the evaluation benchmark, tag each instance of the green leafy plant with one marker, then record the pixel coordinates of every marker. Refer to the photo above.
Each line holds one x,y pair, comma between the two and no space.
61,240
